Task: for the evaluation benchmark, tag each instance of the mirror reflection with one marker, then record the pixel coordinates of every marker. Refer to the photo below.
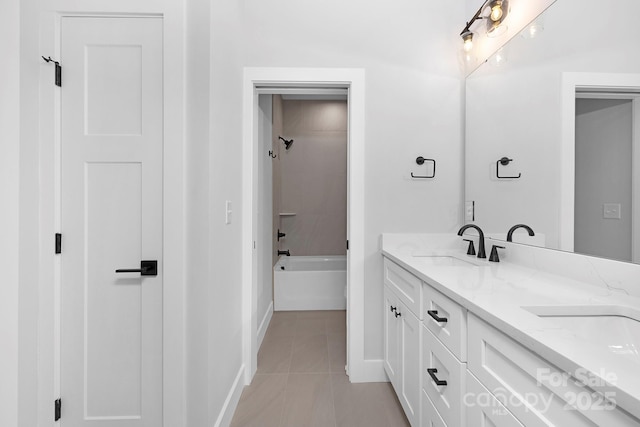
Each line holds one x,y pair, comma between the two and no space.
553,131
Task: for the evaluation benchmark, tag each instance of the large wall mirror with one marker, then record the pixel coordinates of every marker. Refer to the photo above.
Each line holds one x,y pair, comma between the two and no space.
559,105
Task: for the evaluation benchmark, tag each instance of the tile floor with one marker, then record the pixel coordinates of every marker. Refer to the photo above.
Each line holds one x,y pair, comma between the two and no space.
301,381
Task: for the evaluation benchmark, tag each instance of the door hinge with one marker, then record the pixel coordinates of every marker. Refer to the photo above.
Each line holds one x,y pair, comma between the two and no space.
58,409
58,79
347,245
58,243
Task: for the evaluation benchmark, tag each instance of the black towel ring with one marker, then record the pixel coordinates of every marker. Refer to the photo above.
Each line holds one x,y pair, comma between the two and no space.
504,162
420,161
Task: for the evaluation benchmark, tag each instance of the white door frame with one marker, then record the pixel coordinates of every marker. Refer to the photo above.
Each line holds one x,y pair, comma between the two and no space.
572,82
354,80
600,82
173,218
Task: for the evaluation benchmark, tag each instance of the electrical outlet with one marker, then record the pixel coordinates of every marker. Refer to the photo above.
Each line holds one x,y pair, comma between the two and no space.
469,210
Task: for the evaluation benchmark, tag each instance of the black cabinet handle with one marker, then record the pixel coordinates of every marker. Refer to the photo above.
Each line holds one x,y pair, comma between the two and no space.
432,373
434,315
398,314
147,268
393,308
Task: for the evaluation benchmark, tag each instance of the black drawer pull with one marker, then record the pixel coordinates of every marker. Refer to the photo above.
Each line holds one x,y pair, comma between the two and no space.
393,308
434,314
432,373
398,314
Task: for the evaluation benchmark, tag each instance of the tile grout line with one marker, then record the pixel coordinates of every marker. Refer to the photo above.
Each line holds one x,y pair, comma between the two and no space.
333,396
284,401
286,384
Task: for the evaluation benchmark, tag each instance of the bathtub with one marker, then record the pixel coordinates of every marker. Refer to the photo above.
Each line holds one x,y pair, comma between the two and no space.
310,283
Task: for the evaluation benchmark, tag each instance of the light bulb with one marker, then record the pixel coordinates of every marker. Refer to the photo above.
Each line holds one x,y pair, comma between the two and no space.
496,12
468,41
534,29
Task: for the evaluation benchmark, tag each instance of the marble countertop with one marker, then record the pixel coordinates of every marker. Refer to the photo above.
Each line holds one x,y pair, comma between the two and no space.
497,293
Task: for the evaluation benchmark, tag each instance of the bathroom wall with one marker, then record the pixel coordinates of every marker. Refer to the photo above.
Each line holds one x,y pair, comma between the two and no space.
409,52
314,177
224,362
603,144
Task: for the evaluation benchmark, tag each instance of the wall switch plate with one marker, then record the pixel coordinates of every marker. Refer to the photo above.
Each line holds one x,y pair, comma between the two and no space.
228,212
469,210
611,211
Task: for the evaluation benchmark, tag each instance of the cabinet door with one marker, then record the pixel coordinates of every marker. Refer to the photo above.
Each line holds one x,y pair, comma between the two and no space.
483,409
430,416
439,364
391,342
535,391
410,357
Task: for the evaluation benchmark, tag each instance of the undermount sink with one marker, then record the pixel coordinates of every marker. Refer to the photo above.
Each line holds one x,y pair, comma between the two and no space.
443,260
613,328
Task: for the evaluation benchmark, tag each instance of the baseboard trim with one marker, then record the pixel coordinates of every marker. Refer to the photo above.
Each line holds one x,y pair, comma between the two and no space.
369,371
231,402
266,320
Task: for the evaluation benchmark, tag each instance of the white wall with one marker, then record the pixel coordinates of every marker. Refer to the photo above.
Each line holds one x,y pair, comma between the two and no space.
314,177
9,183
225,183
197,252
506,117
413,107
603,175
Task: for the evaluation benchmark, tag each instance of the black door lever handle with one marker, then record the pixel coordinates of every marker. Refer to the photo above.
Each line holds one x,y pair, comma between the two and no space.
147,268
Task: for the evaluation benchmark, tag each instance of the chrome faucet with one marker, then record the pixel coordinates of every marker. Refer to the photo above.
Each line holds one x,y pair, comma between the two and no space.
481,252
515,227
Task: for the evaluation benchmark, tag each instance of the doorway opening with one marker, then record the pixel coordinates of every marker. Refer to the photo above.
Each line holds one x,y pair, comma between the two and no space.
601,94
302,203
605,218
307,82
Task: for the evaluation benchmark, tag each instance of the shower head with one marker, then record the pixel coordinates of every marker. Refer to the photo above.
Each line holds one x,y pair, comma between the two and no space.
287,144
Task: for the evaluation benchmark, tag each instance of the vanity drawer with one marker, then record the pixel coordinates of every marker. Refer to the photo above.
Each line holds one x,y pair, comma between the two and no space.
405,285
453,331
483,409
430,416
520,380
447,399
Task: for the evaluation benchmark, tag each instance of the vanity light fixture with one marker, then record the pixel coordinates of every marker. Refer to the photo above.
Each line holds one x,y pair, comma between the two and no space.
495,12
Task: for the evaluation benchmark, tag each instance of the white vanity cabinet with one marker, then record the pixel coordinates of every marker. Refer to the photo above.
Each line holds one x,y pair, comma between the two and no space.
532,389
424,342
402,339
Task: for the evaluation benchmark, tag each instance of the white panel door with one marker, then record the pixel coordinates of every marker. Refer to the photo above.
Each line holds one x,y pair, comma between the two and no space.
111,201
